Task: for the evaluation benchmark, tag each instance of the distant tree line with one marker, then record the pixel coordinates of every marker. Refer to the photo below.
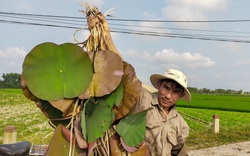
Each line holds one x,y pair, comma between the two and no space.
13,80
216,91
10,80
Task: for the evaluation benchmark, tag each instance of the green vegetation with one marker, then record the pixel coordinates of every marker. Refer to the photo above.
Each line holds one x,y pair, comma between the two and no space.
216,91
11,80
30,122
11,91
234,113
234,127
32,125
218,102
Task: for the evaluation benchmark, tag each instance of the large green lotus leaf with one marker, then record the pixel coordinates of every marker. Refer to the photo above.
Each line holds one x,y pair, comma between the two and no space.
118,94
54,72
115,97
98,117
132,128
108,71
131,91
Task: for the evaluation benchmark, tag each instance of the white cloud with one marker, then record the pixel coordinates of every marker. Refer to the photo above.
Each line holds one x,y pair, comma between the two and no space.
25,5
11,59
197,60
12,53
186,14
190,60
130,53
183,13
200,4
172,58
192,10
151,29
231,47
243,63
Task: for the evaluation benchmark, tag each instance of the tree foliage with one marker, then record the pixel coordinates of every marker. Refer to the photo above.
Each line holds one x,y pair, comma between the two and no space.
215,91
10,80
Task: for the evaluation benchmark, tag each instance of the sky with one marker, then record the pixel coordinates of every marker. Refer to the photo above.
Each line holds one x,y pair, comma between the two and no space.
206,62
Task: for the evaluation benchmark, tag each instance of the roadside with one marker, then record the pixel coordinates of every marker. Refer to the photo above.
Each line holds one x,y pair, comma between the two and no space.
236,149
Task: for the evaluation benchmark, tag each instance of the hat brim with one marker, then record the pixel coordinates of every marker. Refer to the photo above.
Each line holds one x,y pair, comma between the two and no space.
155,78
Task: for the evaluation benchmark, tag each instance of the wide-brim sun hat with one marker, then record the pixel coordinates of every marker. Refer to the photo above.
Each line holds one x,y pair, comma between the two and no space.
175,75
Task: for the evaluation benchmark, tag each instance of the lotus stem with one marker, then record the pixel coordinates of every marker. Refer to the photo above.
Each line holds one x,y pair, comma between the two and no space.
71,129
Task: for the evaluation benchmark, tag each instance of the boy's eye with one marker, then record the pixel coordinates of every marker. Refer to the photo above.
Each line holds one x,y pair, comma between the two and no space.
176,92
166,87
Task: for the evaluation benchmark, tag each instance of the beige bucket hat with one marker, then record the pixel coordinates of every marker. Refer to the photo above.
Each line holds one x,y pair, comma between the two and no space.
175,75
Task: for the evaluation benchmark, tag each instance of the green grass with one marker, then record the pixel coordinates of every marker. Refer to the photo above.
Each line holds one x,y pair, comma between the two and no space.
234,127
234,113
11,91
32,124
218,102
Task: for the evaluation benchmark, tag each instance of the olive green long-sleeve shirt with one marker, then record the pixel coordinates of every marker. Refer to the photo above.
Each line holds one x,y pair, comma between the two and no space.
165,133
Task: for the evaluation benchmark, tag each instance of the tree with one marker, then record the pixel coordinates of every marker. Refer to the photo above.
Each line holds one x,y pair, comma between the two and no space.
11,80
193,89
205,90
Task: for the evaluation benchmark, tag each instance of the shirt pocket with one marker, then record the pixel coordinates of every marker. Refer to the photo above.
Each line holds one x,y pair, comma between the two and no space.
172,137
153,130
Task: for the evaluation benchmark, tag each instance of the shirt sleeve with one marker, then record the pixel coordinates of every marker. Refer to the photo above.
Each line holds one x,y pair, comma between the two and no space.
144,101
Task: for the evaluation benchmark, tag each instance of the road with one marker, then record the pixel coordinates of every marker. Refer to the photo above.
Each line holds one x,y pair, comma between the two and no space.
236,149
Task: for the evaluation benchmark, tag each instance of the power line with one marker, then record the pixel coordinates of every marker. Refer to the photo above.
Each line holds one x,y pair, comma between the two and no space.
44,20
182,34
38,24
179,29
39,15
184,37
135,20
48,19
181,21
71,19
136,33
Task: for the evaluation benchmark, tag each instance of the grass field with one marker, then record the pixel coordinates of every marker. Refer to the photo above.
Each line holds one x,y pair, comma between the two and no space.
234,127
32,125
11,91
17,110
234,114
218,102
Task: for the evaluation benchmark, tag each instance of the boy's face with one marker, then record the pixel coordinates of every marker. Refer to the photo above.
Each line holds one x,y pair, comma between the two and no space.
168,93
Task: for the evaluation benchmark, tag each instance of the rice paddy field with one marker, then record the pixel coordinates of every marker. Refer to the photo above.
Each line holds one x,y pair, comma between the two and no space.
233,112
22,113
239,103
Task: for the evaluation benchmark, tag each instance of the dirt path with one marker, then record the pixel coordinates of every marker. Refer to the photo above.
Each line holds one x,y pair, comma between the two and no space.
237,149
